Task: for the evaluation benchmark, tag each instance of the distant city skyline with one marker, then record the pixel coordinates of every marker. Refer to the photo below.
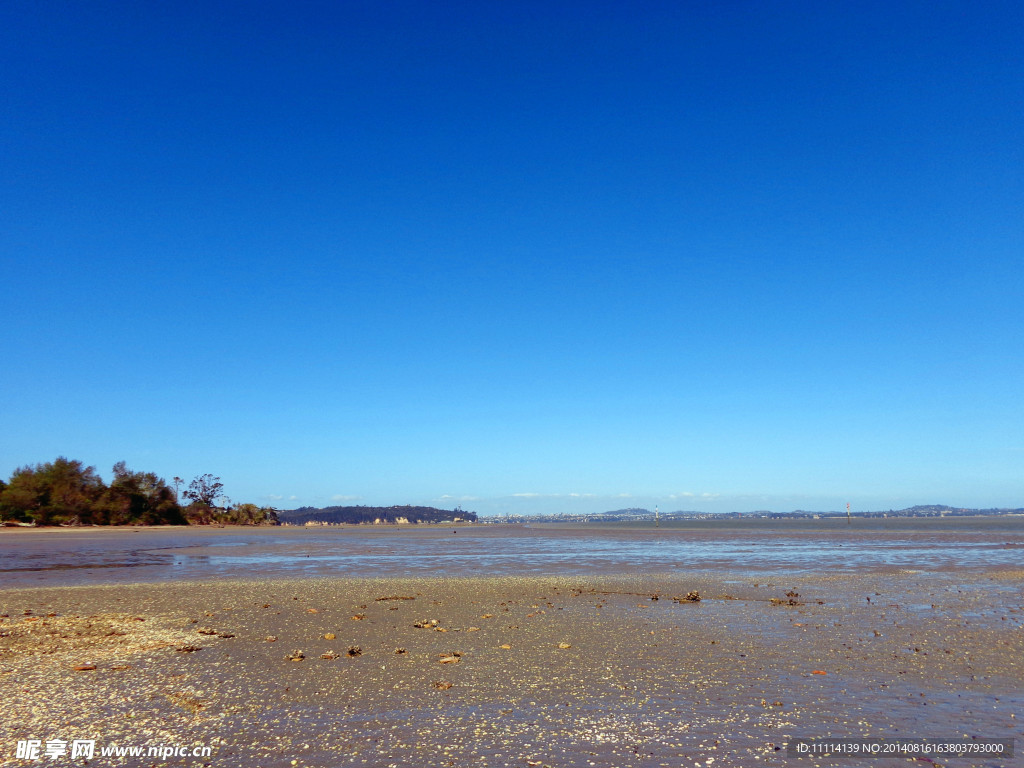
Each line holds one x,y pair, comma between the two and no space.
522,258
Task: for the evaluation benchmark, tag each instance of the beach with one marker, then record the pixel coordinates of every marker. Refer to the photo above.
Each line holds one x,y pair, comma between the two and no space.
597,669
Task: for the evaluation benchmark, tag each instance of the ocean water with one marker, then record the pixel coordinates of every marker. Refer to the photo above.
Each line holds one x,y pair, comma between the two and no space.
110,556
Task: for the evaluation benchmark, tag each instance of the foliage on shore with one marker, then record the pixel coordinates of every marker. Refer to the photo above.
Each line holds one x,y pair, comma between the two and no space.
66,492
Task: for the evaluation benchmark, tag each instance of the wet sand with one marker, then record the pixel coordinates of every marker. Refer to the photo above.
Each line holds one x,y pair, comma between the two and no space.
100,556
508,671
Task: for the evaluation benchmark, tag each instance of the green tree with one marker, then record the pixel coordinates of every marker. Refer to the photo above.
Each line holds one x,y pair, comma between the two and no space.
140,498
205,489
198,513
250,514
61,491
4,514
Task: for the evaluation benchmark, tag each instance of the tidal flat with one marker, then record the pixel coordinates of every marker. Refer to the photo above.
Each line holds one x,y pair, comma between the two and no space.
595,668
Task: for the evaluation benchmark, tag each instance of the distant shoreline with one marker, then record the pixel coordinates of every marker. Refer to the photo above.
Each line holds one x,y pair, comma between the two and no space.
794,524
383,527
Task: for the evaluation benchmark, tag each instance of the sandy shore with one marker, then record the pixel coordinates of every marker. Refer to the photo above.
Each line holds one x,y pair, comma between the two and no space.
513,671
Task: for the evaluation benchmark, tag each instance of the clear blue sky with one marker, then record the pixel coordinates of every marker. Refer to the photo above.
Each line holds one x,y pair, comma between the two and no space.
519,256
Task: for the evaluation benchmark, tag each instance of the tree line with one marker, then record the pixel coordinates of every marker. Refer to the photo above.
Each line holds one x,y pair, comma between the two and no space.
66,492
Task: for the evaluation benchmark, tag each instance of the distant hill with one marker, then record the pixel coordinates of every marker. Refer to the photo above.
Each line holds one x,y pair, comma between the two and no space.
373,515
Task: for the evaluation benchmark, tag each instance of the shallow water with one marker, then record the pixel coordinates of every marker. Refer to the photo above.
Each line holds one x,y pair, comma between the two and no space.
98,556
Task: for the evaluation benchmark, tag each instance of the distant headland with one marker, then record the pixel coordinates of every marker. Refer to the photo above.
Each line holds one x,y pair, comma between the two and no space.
395,515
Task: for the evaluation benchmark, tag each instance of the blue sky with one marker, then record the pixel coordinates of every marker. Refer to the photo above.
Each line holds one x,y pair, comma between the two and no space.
519,257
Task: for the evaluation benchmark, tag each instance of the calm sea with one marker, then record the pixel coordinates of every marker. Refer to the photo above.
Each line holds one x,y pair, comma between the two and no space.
112,556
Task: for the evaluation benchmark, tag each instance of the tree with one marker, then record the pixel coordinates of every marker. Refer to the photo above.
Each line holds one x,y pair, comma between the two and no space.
4,511
198,513
140,498
65,492
61,491
250,514
205,489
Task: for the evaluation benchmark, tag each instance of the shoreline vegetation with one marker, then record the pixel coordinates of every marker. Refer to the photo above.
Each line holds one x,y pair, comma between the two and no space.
67,493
